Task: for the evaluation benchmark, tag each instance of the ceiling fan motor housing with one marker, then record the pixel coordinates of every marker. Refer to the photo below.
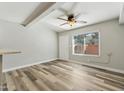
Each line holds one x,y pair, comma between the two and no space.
70,17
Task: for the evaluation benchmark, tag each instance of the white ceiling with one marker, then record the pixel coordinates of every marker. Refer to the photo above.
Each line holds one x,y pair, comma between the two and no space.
92,12
16,12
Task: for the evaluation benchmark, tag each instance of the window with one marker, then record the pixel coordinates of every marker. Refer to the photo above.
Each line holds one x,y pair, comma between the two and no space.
86,44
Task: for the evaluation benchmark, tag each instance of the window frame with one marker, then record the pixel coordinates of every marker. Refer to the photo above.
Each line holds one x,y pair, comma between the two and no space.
73,53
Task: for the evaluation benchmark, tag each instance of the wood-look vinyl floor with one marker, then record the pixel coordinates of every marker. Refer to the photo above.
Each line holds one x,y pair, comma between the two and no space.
62,76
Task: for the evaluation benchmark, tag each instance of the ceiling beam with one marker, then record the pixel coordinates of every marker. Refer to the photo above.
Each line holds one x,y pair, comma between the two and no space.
121,18
40,12
42,7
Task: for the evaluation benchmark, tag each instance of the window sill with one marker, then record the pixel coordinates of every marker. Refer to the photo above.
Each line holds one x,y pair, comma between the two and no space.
86,55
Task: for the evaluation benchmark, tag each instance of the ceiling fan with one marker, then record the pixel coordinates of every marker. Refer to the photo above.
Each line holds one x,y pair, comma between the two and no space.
71,17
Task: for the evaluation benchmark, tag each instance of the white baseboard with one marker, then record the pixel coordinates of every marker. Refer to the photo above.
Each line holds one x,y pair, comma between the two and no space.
28,65
97,66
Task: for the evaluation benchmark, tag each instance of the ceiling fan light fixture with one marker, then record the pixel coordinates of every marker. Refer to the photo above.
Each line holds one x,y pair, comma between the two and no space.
72,22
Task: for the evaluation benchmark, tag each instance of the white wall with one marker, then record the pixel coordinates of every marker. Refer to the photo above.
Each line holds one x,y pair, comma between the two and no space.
112,40
36,43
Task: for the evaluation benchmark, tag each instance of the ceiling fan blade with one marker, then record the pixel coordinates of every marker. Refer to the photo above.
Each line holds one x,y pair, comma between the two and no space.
63,24
62,19
77,16
82,21
64,11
